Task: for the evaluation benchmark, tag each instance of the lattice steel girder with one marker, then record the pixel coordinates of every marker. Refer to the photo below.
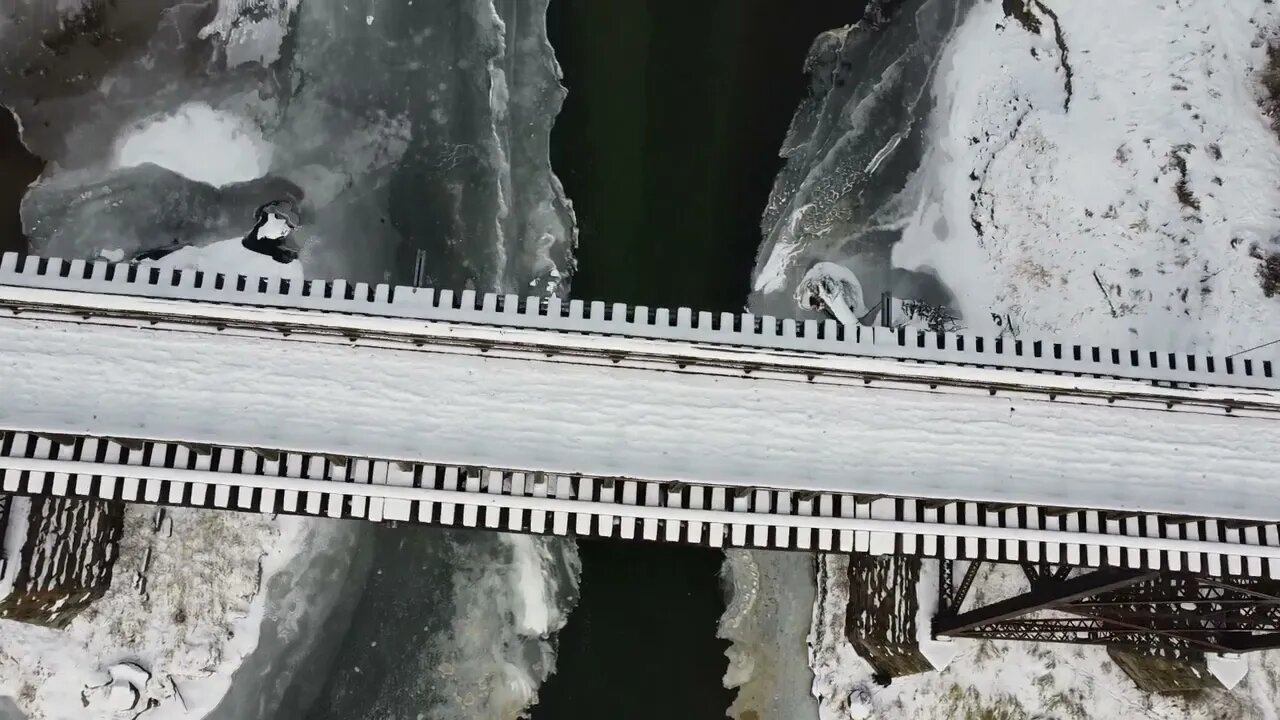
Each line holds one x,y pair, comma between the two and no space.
1263,641
1171,587
1162,633
1259,588
1110,600
1089,632
1083,632
946,586
4,523
1044,596
1139,610
966,582
1197,613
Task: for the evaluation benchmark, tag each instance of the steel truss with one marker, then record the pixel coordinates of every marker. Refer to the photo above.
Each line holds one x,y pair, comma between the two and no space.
1127,608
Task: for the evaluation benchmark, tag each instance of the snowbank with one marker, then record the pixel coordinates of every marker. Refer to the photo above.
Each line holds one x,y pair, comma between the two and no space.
229,256
198,142
184,605
537,613
1128,218
540,611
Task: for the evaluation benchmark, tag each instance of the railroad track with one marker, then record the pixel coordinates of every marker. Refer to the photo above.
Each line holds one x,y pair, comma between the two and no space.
886,359
704,331
174,472
268,481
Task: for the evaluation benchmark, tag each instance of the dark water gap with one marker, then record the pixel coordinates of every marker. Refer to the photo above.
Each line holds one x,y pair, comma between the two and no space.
18,169
668,146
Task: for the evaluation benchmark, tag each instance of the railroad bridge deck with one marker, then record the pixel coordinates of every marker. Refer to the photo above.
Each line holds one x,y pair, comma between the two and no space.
537,415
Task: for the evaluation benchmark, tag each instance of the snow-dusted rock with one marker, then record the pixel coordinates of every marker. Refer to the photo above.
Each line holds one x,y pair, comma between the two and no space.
834,288
229,256
130,673
122,696
861,706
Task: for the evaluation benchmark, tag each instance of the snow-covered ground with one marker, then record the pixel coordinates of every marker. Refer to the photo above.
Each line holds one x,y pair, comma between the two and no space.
1128,218
198,142
229,256
1122,199
184,604
1009,680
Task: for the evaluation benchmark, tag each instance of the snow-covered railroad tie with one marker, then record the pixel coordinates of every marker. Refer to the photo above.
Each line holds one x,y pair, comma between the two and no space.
85,286
268,481
514,413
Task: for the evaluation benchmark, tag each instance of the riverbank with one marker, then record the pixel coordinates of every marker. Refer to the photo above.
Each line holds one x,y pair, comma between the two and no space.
159,614
1086,176
18,169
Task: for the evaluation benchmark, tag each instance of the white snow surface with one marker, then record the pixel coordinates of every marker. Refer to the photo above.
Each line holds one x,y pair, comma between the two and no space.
836,288
321,394
228,256
198,142
276,227
1062,194
536,613
131,673
197,619
536,610
1229,669
15,536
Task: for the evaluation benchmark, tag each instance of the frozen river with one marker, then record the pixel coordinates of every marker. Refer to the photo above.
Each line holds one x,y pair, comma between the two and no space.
409,132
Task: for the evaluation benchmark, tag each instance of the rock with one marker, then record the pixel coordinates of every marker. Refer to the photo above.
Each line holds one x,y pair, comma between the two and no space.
130,673
834,288
122,696
860,704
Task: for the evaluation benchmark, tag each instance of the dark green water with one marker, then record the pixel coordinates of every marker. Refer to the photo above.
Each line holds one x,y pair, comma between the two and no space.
667,145
18,168
668,141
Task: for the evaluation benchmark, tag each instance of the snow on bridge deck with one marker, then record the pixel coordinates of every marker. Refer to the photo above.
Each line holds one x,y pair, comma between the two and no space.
96,358
441,404
465,393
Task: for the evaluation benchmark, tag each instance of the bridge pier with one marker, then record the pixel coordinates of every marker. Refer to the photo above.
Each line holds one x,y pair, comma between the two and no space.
881,617
61,557
1164,670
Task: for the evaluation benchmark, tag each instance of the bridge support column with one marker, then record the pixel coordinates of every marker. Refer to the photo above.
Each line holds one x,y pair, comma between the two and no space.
880,619
67,552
